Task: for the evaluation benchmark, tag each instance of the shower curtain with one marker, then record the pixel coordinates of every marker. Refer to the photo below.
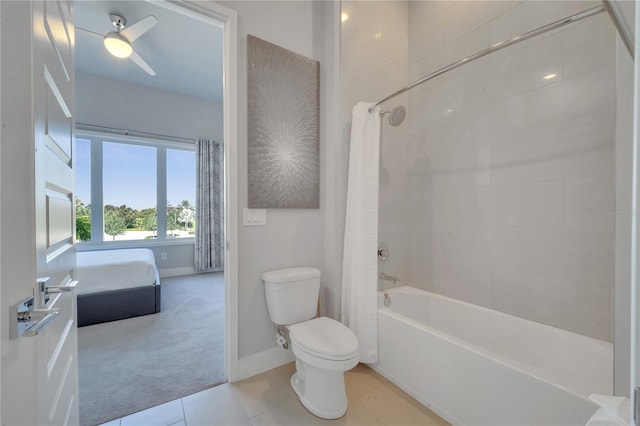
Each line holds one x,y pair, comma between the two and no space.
359,310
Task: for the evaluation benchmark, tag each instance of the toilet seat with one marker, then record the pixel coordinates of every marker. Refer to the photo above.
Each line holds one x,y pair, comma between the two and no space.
324,338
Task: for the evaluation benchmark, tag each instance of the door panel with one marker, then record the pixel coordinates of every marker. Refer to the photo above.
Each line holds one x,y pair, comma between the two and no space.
56,22
39,373
57,363
59,218
58,171
58,124
58,368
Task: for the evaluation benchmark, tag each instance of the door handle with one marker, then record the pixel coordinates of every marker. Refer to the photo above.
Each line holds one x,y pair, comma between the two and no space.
62,288
42,318
46,291
27,321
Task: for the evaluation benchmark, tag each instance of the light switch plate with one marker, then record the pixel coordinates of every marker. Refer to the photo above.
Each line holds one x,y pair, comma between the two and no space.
254,217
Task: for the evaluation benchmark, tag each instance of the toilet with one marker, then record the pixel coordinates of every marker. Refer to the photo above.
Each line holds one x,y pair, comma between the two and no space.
324,348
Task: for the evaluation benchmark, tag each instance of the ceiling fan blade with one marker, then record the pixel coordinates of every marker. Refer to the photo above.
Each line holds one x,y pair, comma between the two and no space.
90,32
141,63
135,30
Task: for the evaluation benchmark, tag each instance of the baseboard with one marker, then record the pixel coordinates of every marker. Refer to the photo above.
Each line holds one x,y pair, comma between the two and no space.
263,361
176,272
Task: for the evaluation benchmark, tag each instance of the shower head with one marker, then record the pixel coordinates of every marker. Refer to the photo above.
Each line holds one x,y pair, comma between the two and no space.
396,115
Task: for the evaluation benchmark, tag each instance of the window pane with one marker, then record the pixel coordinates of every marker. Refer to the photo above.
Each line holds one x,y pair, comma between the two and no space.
129,191
83,190
181,193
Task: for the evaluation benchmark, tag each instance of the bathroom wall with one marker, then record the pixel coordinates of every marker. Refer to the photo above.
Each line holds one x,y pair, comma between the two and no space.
291,237
374,55
509,162
374,64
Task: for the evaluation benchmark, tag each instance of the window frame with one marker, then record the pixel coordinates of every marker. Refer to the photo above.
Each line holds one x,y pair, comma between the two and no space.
96,139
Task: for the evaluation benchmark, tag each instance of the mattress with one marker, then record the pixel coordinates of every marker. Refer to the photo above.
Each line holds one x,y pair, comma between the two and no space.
107,270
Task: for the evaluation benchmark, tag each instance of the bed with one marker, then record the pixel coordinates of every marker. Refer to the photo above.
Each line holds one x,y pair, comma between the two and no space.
116,284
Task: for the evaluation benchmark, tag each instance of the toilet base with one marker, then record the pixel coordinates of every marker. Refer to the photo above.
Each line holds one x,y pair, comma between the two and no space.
321,392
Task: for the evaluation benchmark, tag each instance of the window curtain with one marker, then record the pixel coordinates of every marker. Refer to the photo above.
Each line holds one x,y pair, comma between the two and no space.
210,246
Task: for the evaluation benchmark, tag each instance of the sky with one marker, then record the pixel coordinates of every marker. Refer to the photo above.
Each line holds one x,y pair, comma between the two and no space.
129,175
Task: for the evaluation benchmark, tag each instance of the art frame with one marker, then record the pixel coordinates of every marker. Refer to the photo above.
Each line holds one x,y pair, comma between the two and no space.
283,131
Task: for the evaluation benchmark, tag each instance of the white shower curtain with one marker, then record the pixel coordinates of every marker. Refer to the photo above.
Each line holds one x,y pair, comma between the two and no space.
359,309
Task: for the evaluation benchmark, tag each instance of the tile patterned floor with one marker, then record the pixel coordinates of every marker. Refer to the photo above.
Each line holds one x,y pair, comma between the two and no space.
267,399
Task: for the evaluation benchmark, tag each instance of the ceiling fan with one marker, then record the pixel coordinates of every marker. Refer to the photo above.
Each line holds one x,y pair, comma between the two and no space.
119,42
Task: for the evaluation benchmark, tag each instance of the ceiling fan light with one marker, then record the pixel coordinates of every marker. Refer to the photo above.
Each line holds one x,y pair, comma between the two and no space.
117,46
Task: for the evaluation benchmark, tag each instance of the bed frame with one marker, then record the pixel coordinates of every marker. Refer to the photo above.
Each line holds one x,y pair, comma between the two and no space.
94,308
120,284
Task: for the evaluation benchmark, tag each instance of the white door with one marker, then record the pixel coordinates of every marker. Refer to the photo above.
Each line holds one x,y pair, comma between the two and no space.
635,266
39,373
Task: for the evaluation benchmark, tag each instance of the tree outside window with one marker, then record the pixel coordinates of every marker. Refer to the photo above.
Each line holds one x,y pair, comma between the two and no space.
114,223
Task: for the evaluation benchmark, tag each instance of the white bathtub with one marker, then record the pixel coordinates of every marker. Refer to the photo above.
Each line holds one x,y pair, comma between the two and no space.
476,366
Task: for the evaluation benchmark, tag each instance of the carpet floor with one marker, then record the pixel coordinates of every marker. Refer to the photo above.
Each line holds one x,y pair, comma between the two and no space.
130,365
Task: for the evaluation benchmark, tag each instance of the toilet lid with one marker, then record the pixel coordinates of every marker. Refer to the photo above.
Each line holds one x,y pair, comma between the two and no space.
324,337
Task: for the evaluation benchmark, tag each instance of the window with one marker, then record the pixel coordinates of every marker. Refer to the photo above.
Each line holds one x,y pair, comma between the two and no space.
129,191
134,189
83,189
181,193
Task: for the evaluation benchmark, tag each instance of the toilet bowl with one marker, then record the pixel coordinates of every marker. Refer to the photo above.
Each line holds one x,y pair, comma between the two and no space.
324,348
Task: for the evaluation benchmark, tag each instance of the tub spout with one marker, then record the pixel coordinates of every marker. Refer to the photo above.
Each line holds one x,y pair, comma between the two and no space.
387,300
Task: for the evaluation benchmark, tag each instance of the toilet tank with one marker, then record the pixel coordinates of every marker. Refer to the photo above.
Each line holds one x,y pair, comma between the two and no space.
292,294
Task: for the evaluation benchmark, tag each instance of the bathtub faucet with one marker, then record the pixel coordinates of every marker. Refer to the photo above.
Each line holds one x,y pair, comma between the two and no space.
385,277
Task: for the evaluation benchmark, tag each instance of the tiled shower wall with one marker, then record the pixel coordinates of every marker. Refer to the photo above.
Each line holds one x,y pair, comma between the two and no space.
498,189
374,53
509,162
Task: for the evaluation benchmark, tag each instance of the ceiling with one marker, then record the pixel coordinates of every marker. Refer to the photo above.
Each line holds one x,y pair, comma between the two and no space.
185,52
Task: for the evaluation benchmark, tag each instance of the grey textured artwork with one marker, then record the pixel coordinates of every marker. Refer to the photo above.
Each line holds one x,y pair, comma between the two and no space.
283,131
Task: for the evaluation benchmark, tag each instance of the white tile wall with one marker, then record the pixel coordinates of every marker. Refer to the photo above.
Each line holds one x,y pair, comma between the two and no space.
493,121
573,153
498,189
374,55
588,44
588,204
584,99
509,206
392,13
382,71
519,69
529,15
466,16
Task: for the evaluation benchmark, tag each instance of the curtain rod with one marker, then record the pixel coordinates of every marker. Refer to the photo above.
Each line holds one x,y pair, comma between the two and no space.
494,48
125,132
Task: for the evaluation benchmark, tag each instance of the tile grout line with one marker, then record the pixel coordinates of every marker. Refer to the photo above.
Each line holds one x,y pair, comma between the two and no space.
184,414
